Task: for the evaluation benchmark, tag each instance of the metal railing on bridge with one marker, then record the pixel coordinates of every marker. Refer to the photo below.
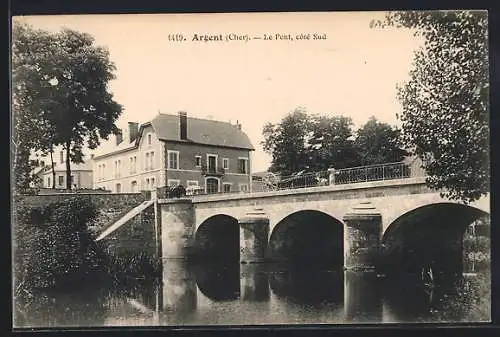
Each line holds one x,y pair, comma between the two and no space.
372,173
351,175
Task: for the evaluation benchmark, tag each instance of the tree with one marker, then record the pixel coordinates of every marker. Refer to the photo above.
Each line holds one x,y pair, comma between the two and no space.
22,144
62,80
29,125
379,143
309,142
445,101
332,144
286,141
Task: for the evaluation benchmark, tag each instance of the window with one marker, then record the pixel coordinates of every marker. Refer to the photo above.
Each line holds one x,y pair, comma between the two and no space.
243,188
152,160
149,139
225,163
61,157
146,166
133,165
242,165
147,184
197,160
192,183
153,183
118,188
118,164
227,187
212,162
133,186
173,160
48,182
72,180
61,180
212,185
99,172
173,182
103,171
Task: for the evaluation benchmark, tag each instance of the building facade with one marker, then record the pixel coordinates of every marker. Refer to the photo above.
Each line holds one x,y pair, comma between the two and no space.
81,174
173,150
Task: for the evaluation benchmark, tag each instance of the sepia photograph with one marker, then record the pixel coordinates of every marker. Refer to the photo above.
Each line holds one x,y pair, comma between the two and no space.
250,169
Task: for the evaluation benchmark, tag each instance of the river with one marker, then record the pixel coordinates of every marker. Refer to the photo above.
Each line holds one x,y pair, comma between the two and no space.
190,295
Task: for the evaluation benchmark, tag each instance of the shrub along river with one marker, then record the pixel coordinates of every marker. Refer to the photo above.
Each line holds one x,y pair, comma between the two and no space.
259,294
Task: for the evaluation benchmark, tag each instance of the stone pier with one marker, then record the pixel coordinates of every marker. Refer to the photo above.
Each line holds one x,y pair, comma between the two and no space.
363,230
254,233
177,228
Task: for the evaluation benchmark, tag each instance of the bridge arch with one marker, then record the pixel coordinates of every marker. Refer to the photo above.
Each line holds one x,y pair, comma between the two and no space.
308,237
217,239
428,235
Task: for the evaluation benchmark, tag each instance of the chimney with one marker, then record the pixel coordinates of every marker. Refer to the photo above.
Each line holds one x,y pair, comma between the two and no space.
119,137
133,131
183,125
238,125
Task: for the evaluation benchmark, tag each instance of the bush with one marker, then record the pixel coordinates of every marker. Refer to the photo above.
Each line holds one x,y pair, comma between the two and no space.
55,251
53,246
470,300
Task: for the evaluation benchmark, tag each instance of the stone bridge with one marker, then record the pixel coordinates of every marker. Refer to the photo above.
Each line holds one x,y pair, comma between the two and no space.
350,225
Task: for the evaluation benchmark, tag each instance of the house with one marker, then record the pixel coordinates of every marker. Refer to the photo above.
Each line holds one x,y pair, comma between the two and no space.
81,174
173,150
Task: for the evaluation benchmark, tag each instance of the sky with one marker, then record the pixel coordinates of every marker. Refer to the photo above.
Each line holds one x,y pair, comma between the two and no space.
353,72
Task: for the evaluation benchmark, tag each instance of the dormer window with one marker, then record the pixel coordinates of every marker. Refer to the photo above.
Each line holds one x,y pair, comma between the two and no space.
149,139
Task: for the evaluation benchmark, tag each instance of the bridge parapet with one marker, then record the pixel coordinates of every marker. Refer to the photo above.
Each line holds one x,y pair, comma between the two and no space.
308,190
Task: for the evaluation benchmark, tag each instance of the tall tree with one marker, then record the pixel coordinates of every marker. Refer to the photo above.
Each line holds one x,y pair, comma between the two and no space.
332,143
286,142
379,143
67,76
445,101
29,126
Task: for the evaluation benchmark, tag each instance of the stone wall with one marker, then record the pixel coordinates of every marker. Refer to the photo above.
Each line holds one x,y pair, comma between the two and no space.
111,206
103,200
138,235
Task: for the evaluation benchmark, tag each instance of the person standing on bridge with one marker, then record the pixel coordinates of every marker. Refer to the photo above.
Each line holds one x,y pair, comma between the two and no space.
331,176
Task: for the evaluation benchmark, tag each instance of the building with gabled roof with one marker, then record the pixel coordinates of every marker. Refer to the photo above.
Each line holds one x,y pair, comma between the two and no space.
173,150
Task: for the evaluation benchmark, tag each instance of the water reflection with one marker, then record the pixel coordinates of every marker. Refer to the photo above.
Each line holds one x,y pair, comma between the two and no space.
83,307
362,303
179,288
308,286
254,294
218,282
254,282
